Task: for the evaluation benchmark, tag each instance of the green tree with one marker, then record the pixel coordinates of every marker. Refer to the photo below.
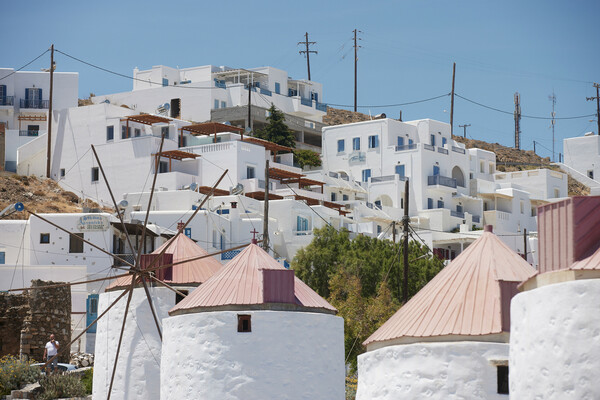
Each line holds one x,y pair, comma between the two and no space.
362,278
276,130
307,157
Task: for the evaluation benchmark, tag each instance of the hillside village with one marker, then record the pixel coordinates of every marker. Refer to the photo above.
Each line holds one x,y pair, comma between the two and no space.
192,205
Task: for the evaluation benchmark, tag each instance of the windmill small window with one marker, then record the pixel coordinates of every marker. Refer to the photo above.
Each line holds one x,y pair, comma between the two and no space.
244,324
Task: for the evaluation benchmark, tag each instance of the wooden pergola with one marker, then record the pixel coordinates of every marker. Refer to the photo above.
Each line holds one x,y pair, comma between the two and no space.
174,155
216,192
210,128
287,177
146,119
29,117
314,202
273,147
260,195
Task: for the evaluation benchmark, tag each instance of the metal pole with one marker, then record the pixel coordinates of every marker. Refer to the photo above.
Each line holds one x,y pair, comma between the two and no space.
265,243
525,244
355,69
405,221
452,101
49,145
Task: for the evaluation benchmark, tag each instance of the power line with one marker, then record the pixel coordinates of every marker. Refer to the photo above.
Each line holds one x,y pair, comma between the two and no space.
30,62
393,105
523,116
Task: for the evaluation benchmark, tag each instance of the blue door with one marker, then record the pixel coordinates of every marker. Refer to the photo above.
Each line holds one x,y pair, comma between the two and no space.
436,170
400,170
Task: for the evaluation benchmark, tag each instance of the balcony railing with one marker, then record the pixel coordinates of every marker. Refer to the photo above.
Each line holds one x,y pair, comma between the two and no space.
29,133
476,218
306,102
458,150
130,258
321,106
405,147
457,214
28,103
229,255
265,91
442,150
220,84
7,101
441,180
429,147
387,178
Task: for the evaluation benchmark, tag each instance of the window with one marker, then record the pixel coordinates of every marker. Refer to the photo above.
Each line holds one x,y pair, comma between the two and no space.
333,196
482,167
378,204
33,130
277,88
373,141
533,211
244,323
179,297
400,141
344,197
175,108
429,203
165,82
521,205
163,167
223,104
356,143
410,141
95,174
62,172
75,244
556,193
432,139
590,174
444,140
459,209
125,132
379,229
137,132
222,242
400,170
44,238
491,168
110,133
2,257
33,97
188,232
502,379
216,104
302,224
3,95
250,172
341,145
440,204
214,239
164,131
366,174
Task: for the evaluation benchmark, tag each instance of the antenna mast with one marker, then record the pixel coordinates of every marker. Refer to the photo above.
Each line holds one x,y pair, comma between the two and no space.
552,98
517,120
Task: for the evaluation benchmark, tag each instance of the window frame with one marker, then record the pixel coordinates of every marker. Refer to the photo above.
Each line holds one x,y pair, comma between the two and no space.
76,246
95,174
341,145
366,173
356,144
244,323
44,238
110,133
373,142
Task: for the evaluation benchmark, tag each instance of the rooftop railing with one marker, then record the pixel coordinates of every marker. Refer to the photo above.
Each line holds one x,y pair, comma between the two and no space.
429,147
321,106
265,91
442,150
36,103
306,102
457,214
405,147
387,178
29,133
476,218
458,150
7,100
441,180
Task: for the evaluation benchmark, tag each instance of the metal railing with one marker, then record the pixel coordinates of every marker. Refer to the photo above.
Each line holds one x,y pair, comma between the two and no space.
457,214
428,147
36,103
220,84
229,255
130,258
306,102
442,150
7,100
28,133
441,180
458,150
321,106
387,178
265,91
405,147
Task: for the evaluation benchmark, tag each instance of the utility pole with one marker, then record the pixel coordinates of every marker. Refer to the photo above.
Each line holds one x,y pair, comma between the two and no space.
250,86
356,46
597,98
49,145
265,243
464,129
307,52
405,221
553,100
525,244
452,101
517,120
394,232
534,152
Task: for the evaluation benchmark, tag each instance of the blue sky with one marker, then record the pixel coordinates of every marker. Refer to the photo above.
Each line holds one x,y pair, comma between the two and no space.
408,47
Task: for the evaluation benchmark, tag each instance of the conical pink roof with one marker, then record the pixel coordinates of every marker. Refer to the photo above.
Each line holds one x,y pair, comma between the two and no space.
590,263
241,283
463,298
193,272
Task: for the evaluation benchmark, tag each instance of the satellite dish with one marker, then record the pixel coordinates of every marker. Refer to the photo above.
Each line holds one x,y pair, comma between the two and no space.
123,204
107,101
163,109
19,207
193,186
238,189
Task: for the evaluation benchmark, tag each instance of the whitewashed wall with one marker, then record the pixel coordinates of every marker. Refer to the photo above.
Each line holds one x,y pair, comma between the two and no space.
138,369
288,355
555,342
443,370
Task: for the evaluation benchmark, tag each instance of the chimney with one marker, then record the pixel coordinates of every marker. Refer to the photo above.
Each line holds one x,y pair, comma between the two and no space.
400,116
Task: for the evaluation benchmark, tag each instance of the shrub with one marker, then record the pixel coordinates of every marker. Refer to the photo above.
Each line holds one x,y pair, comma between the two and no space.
15,374
61,386
87,379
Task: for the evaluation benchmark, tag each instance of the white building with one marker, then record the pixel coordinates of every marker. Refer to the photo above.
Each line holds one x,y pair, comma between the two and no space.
555,319
138,369
253,331
211,93
451,339
24,102
582,160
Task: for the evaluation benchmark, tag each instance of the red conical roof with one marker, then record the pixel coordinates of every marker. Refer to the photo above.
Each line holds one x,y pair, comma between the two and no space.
463,298
241,283
193,272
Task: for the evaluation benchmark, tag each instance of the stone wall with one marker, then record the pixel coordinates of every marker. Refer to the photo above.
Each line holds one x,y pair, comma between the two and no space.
13,310
28,319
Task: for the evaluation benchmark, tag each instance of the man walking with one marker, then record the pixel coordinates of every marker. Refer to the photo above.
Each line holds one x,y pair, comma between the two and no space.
50,351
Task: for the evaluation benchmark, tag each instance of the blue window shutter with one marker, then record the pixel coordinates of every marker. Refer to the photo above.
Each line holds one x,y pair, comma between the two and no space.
400,170
440,204
2,257
26,93
436,170
298,224
400,141
39,92
429,203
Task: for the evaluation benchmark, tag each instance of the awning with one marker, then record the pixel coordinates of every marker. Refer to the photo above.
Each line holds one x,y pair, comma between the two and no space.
274,147
146,119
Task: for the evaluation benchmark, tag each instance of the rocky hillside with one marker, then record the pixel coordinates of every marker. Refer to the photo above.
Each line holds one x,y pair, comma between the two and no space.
336,116
39,195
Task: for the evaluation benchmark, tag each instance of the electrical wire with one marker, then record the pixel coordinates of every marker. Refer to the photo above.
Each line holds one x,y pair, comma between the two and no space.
393,105
522,115
30,62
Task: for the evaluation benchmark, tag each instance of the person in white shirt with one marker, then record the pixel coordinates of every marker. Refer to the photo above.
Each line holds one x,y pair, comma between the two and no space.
50,351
